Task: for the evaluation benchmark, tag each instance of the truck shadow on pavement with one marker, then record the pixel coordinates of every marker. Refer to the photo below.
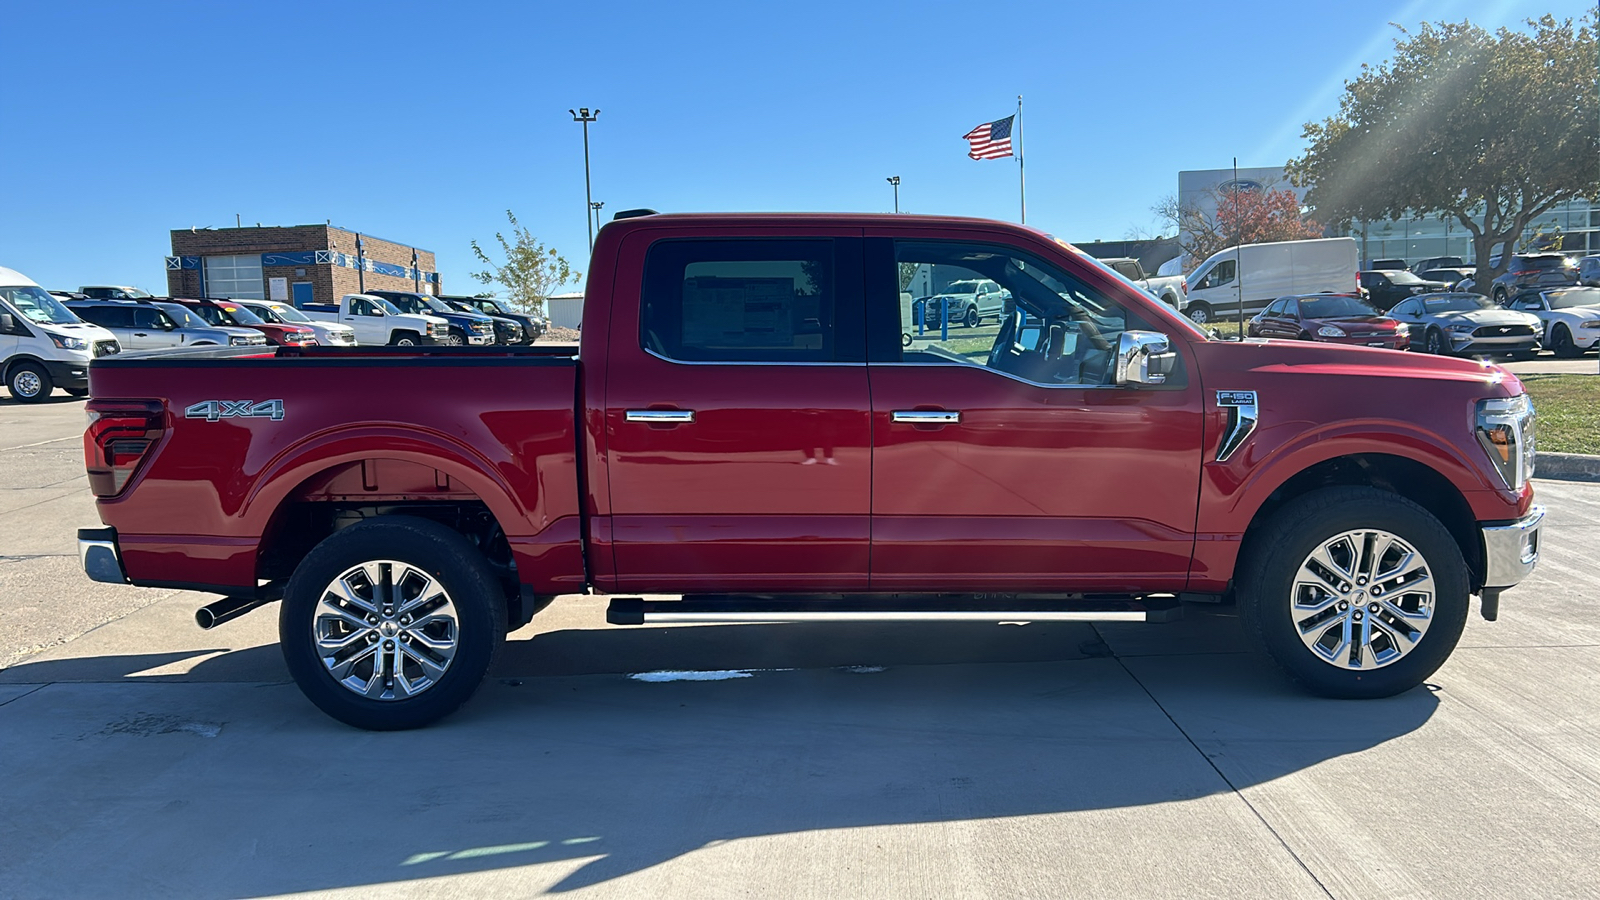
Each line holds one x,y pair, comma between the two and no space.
574,774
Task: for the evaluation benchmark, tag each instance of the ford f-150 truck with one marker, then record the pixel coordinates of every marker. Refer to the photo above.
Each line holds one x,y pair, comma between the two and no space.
742,426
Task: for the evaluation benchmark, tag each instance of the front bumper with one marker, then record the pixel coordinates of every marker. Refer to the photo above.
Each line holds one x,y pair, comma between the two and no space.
1466,343
1511,550
68,374
100,555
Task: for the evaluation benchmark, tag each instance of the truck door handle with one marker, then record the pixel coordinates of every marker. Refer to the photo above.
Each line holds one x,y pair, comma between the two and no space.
660,416
926,416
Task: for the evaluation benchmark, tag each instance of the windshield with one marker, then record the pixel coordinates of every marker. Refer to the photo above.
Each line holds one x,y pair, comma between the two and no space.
183,316
1335,307
1401,277
37,304
288,314
1174,317
1458,303
239,314
388,307
1574,298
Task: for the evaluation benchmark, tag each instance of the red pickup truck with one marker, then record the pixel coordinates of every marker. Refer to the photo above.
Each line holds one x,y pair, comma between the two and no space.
744,425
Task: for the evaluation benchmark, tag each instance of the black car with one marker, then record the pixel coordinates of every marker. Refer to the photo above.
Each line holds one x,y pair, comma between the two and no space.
533,326
506,329
1388,287
1532,270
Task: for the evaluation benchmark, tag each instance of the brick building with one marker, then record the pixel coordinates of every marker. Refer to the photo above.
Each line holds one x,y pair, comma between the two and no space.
295,263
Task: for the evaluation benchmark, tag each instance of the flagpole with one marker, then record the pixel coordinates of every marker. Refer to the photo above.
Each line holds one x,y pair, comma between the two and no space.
1022,179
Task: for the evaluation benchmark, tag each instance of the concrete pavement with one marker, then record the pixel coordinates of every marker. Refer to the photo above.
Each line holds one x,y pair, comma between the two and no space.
143,757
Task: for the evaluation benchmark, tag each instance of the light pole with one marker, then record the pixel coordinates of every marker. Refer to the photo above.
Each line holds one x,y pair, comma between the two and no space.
895,181
582,114
595,205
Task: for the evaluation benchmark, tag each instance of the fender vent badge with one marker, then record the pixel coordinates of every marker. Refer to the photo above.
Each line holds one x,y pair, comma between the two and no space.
1242,415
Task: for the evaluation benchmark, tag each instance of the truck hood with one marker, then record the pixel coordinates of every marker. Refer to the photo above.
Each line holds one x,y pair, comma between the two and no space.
1316,358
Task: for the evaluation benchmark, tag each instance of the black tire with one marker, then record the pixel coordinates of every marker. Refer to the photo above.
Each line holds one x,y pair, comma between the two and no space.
905,339
971,319
77,392
1434,342
456,338
1266,576
1561,342
1499,296
29,383
404,339
472,587
1199,313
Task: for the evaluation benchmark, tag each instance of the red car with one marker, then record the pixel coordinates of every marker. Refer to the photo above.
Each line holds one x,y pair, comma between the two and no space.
1331,318
744,428
229,313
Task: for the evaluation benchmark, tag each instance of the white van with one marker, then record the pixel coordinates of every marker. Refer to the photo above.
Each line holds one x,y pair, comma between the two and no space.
1269,271
44,346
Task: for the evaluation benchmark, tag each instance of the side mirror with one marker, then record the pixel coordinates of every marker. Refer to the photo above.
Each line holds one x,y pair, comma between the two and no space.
1144,357
8,323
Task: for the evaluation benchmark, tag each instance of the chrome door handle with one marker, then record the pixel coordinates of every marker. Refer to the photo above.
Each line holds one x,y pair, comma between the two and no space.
660,416
926,416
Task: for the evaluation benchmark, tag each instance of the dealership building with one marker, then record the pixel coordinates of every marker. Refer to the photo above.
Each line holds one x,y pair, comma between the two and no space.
296,264
1569,227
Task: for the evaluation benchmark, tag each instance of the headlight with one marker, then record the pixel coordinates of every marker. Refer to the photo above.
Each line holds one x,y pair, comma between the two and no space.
238,341
1331,331
69,343
1402,328
1462,327
1592,323
295,337
1505,429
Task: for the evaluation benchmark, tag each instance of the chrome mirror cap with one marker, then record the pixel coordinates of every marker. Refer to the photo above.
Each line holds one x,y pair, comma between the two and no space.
1144,357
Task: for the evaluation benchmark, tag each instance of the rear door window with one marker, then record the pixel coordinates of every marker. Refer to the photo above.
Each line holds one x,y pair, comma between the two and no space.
772,301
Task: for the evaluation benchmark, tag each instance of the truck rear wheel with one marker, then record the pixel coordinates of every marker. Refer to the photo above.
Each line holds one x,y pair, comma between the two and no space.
1355,592
1199,312
391,623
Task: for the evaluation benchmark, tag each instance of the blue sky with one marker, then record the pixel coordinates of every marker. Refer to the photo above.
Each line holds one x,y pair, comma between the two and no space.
422,122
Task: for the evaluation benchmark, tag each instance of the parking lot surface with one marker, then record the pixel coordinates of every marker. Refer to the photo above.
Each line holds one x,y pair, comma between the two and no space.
143,757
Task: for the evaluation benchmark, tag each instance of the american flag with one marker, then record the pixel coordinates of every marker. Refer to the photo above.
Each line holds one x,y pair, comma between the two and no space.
991,140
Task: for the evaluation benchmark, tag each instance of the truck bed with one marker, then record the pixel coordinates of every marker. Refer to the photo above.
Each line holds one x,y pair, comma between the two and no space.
351,426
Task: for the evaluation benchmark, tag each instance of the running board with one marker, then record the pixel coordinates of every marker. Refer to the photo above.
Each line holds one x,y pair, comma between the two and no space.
733,609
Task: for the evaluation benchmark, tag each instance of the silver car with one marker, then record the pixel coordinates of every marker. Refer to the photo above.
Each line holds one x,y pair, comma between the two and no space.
145,325
1466,324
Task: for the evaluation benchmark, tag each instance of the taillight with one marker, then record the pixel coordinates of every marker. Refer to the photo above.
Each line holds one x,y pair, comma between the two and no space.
120,435
1186,285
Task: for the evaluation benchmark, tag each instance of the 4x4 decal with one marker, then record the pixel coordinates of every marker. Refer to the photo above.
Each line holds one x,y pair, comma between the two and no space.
213,410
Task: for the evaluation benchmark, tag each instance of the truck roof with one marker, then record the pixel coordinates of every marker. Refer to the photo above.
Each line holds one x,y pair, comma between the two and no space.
856,219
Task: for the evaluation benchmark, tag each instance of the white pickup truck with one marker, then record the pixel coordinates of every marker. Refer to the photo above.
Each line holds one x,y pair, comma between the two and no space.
1169,289
377,321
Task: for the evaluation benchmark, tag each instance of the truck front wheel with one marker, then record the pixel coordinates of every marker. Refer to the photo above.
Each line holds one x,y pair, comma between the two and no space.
404,339
1355,592
391,623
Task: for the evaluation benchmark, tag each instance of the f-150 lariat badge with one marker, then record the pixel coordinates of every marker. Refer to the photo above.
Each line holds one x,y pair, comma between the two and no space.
214,410
1242,414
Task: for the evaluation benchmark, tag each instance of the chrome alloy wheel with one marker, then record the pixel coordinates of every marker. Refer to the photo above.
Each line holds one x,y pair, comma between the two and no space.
1362,599
27,383
385,630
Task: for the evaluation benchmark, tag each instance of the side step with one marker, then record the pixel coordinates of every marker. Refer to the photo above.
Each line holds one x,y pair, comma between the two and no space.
729,609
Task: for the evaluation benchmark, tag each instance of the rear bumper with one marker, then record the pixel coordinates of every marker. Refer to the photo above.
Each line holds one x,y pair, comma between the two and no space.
100,556
1511,550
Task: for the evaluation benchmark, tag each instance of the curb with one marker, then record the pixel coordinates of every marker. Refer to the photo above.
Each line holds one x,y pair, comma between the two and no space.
1567,466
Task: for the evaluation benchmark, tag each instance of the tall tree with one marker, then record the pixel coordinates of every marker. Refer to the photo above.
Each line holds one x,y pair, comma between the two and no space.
531,271
1491,130
1241,217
